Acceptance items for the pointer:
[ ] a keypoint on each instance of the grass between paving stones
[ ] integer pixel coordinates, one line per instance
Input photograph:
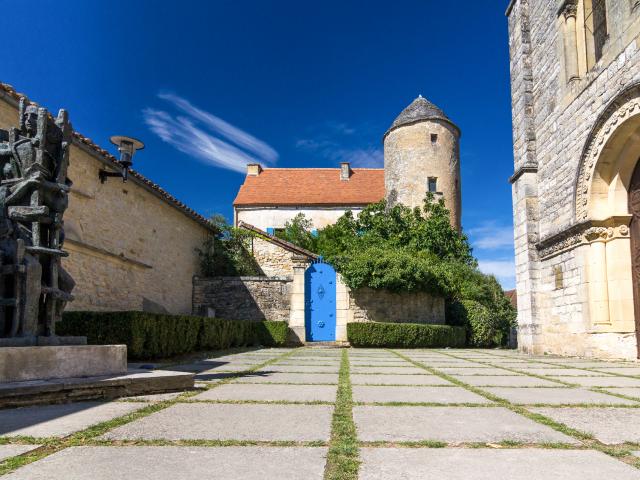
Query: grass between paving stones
(88, 435)
(620, 452)
(343, 458)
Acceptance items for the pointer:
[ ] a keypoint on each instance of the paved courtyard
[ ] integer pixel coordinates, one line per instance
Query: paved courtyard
(313, 413)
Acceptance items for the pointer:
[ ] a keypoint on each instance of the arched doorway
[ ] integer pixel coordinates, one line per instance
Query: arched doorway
(634, 228)
(605, 192)
(320, 302)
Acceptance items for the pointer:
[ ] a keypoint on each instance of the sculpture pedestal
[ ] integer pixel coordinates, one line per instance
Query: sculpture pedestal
(20, 364)
(40, 375)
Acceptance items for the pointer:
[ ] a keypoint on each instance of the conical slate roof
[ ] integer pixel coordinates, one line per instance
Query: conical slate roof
(418, 110)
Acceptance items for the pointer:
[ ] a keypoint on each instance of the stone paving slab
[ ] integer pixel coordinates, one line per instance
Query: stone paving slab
(609, 425)
(602, 381)
(633, 371)
(218, 421)
(556, 396)
(364, 379)
(490, 464)
(368, 394)
(183, 463)
(563, 372)
(629, 392)
(505, 381)
(285, 377)
(476, 371)
(8, 451)
(271, 393)
(408, 370)
(301, 368)
(450, 424)
(201, 368)
(156, 397)
(61, 420)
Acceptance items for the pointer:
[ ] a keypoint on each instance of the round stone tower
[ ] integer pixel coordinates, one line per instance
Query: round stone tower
(422, 154)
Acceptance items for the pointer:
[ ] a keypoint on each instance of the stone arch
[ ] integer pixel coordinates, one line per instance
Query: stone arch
(608, 162)
(606, 165)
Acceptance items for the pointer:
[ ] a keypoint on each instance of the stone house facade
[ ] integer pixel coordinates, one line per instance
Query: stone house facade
(132, 245)
(421, 154)
(575, 81)
(287, 289)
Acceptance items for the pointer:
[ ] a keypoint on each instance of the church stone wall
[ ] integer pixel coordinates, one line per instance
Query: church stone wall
(129, 248)
(552, 120)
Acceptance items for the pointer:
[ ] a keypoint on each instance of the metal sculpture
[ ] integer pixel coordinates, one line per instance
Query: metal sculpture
(34, 187)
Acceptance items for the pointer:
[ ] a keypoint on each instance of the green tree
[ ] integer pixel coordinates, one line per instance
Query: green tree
(299, 232)
(227, 252)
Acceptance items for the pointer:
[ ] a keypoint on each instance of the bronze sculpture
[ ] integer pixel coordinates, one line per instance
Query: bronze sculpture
(34, 187)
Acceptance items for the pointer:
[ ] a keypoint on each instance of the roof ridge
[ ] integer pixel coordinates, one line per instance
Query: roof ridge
(94, 147)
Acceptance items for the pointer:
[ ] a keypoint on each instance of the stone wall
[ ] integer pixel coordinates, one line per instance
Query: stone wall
(130, 248)
(367, 305)
(243, 298)
(273, 260)
(554, 118)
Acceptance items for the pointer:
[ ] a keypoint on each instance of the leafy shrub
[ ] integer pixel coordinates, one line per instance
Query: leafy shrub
(227, 253)
(404, 335)
(149, 335)
(485, 328)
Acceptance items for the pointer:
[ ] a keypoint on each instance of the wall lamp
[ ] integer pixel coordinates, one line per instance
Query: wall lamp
(127, 147)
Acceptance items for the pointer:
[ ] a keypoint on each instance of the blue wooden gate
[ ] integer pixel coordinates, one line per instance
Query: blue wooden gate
(320, 302)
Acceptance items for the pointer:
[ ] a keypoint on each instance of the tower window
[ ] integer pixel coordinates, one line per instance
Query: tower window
(432, 185)
(595, 26)
(434, 138)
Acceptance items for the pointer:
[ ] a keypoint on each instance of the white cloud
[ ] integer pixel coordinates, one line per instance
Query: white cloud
(207, 137)
(503, 269)
(491, 236)
(330, 147)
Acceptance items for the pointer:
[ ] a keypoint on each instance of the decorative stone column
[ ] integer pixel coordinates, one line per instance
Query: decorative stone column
(297, 315)
(569, 11)
(597, 276)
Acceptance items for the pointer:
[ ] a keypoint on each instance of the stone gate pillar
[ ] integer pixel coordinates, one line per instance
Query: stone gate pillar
(297, 316)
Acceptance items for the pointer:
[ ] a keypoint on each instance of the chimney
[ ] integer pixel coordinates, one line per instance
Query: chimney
(345, 171)
(254, 169)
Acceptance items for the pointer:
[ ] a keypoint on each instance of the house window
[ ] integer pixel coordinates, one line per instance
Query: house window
(432, 185)
(595, 26)
(434, 138)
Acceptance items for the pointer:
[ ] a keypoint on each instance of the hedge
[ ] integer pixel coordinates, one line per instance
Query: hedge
(405, 335)
(149, 335)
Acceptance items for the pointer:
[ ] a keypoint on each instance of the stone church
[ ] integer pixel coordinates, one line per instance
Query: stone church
(575, 81)
(421, 154)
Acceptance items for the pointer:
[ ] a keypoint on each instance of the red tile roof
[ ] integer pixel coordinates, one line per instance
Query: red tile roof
(311, 186)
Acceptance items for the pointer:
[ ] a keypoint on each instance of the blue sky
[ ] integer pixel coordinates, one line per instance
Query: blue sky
(211, 84)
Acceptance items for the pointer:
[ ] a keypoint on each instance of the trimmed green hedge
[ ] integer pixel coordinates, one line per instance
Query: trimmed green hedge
(405, 335)
(150, 335)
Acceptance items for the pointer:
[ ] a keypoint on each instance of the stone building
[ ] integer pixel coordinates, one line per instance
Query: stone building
(298, 288)
(575, 80)
(132, 245)
(421, 154)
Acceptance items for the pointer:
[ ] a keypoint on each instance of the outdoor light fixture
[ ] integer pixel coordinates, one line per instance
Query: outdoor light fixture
(127, 146)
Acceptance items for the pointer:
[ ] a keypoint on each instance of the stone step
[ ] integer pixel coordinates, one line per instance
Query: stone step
(327, 344)
(134, 382)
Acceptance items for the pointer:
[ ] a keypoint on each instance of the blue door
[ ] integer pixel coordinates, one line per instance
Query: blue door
(320, 302)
